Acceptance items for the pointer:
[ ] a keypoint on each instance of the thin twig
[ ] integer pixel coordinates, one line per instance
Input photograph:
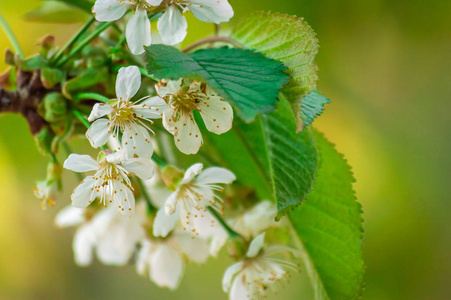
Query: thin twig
(212, 40)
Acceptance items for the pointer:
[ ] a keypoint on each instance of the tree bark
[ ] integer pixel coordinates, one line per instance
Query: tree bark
(25, 100)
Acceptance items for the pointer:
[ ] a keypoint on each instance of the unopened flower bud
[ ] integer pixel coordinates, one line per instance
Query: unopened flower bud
(53, 108)
(47, 45)
(44, 140)
(9, 57)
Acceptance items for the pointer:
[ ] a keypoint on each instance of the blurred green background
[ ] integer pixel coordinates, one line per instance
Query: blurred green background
(386, 66)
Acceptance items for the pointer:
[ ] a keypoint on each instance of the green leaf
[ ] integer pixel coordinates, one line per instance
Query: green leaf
(292, 158)
(329, 225)
(312, 106)
(288, 39)
(55, 12)
(85, 5)
(247, 79)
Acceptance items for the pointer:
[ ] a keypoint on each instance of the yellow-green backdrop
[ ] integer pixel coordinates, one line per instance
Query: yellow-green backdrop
(386, 66)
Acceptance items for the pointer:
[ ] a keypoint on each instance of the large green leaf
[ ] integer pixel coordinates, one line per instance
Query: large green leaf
(292, 158)
(249, 80)
(329, 225)
(288, 39)
(270, 155)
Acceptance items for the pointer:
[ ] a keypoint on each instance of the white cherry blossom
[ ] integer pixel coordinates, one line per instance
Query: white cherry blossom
(163, 259)
(249, 224)
(183, 98)
(190, 201)
(138, 32)
(252, 277)
(110, 183)
(112, 237)
(46, 191)
(172, 26)
(126, 117)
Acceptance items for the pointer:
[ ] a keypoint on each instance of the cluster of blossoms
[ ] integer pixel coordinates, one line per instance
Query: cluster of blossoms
(172, 25)
(153, 214)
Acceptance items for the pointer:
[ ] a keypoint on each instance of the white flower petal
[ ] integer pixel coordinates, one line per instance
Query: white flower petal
(171, 203)
(168, 87)
(128, 82)
(166, 267)
(153, 2)
(260, 217)
(188, 139)
(83, 194)
(99, 132)
(256, 245)
(142, 259)
(116, 245)
(172, 26)
(191, 172)
(99, 110)
(108, 10)
(164, 223)
(136, 141)
(229, 274)
(70, 216)
(141, 167)
(217, 114)
(216, 175)
(211, 11)
(196, 249)
(83, 245)
(239, 288)
(218, 241)
(138, 31)
(152, 108)
(124, 199)
(80, 163)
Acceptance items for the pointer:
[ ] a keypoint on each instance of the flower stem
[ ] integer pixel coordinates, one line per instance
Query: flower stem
(91, 96)
(150, 207)
(74, 39)
(212, 40)
(232, 233)
(84, 42)
(81, 118)
(10, 34)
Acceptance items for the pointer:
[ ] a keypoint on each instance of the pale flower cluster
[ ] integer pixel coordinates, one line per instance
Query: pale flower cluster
(179, 223)
(172, 25)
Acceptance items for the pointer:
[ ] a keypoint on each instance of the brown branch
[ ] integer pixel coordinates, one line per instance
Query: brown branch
(25, 100)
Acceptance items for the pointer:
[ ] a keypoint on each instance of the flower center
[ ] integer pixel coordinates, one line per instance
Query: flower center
(122, 113)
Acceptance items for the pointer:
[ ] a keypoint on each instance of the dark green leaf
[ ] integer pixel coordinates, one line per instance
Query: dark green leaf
(312, 106)
(292, 158)
(288, 39)
(329, 225)
(249, 80)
